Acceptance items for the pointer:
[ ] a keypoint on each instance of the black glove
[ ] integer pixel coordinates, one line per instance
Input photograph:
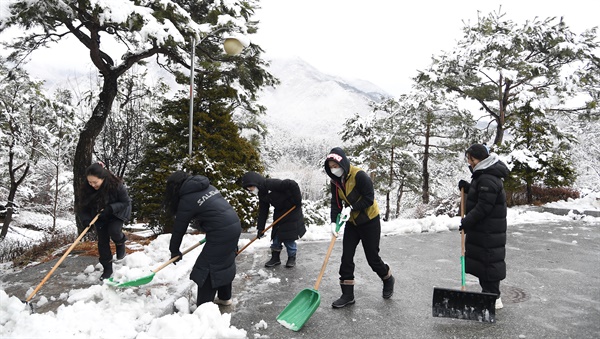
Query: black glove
(461, 227)
(176, 254)
(260, 234)
(463, 184)
(106, 212)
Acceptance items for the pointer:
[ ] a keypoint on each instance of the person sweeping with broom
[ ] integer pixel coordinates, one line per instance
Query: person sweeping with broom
(484, 223)
(352, 187)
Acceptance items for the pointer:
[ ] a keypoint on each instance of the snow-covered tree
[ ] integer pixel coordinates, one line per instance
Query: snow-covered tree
(54, 187)
(440, 130)
(119, 35)
(537, 153)
(379, 142)
(504, 66)
(23, 129)
(123, 140)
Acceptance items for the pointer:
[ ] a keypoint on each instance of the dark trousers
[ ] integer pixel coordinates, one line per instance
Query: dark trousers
(112, 229)
(490, 286)
(369, 234)
(206, 293)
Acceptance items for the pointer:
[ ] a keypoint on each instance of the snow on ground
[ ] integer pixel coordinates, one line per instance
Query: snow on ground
(101, 311)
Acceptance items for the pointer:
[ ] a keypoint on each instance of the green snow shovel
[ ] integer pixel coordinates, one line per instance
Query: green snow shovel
(302, 307)
(460, 304)
(148, 278)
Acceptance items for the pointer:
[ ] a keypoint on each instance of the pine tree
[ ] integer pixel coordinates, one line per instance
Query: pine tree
(538, 153)
(502, 66)
(218, 151)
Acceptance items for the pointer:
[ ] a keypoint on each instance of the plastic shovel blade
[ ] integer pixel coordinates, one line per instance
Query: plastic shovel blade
(449, 303)
(132, 283)
(300, 309)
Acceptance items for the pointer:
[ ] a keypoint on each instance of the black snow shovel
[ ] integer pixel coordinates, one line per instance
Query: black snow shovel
(461, 304)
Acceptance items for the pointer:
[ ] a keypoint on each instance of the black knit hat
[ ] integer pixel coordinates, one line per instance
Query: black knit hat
(477, 151)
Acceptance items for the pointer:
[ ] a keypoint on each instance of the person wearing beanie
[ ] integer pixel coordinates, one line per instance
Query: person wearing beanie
(484, 222)
(352, 187)
(282, 195)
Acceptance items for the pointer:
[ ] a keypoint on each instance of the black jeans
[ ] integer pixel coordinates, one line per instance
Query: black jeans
(111, 229)
(206, 293)
(369, 234)
(490, 286)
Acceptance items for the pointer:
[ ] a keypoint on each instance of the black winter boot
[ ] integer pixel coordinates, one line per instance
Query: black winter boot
(274, 261)
(121, 248)
(347, 297)
(388, 285)
(108, 271)
(291, 262)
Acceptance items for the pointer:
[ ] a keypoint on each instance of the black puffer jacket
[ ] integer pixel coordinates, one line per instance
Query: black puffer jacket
(203, 203)
(485, 221)
(282, 195)
(118, 200)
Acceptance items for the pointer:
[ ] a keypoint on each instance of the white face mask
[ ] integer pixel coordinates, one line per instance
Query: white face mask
(338, 171)
(254, 191)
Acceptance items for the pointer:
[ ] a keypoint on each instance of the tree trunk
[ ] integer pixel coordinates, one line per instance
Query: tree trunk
(9, 213)
(387, 206)
(529, 193)
(87, 139)
(425, 195)
(503, 102)
(14, 184)
(499, 132)
(399, 197)
(10, 203)
(390, 184)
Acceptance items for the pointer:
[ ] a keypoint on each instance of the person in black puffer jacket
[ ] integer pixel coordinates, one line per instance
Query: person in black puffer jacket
(484, 222)
(282, 195)
(106, 194)
(192, 198)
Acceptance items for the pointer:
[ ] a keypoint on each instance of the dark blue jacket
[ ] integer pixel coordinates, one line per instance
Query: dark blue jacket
(212, 214)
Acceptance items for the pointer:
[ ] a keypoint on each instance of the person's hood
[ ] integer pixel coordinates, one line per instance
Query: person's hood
(339, 156)
(194, 183)
(492, 165)
(253, 179)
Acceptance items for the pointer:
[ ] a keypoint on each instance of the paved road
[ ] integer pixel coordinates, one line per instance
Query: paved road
(552, 289)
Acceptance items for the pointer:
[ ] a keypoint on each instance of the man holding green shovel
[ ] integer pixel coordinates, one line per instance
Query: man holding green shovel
(352, 187)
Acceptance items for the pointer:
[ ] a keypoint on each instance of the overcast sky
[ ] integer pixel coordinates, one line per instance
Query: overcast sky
(387, 41)
(382, 41)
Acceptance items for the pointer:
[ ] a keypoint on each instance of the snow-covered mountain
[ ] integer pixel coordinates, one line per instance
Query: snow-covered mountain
(310, 103)
(305, 114)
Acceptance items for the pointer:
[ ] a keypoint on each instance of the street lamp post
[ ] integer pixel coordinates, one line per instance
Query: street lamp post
(232, 46)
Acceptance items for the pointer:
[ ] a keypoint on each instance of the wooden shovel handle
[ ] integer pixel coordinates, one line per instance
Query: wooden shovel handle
(62, 259)
(179, 256)
(266, 229)
(333, 238)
